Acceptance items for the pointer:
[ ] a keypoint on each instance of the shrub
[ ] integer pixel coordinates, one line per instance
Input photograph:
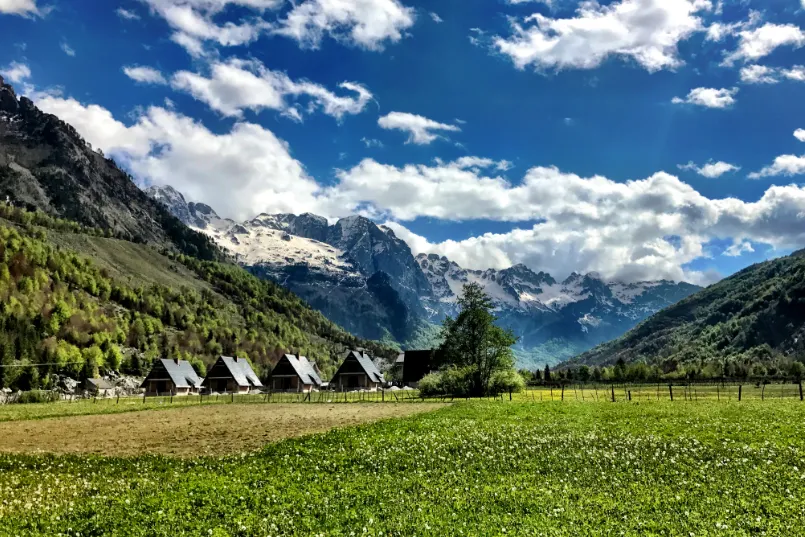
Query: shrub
(431, 385)
(37, 396)
(453, 381)
(458, 381)
(505, 381)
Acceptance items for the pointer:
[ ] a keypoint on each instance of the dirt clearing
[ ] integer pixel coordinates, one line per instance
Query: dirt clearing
(191, 431)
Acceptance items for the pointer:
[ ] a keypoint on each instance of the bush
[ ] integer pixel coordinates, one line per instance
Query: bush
(37, 396)
(506, 381)
(453, 381)
(457, 381)
(431, 385)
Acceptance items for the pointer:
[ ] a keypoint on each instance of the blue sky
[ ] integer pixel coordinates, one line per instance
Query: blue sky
(569, 136)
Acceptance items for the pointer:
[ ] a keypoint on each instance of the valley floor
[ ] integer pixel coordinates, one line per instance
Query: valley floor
(476, 468)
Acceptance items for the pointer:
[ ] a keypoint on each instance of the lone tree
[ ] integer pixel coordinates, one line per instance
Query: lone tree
(473, 342)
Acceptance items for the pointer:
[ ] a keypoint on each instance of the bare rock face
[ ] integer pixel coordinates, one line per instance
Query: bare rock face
(8, 99)
(46, 165)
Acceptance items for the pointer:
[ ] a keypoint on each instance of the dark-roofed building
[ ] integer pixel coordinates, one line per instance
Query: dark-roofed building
(171, 377)
(415, 365)
(357, 372)
(231, 375)
(98, 386)
(294, 374)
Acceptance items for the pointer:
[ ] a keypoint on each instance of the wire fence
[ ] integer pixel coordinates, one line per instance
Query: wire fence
(581, 392)
(648, 392)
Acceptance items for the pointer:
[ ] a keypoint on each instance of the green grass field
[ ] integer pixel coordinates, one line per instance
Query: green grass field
(478, 468)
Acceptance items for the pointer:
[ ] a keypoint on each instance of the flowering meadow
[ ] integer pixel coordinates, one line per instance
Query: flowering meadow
(478, 468)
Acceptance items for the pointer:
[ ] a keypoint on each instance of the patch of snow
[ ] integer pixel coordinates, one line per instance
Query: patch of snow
(627, 292)
(260, 245)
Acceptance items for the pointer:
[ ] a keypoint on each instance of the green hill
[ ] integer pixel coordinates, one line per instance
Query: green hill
(752, 323)
(77, 302)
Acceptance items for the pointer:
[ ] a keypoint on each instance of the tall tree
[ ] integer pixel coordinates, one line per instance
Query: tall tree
(473, 341)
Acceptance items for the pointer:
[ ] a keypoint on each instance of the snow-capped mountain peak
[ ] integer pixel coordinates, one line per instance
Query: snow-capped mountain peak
(365, 278)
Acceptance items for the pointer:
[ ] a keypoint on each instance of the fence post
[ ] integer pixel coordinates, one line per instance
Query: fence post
(551, 392)
(233, 397)
(800, 390)
(740, 389)
(143, 397)
(171, 397)
(671, 391)
(563, 392)
(612, 387)
(510, 395)
(629, 393)
(763, 391)
(718, 393)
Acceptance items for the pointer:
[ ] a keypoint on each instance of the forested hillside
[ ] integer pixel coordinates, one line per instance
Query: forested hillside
(752, 323)
(62, 314)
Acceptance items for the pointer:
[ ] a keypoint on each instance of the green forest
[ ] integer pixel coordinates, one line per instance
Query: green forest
(751, 324)
(62, 314)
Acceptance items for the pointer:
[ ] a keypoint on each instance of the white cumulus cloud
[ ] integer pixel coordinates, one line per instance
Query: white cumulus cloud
(784, 165)
(195, 22)
(642, 229)
(235, 85)
(758, 74)
(25, 8)
(645, 31)
(738, 248)
(16, 72)
(363, 23)
(711, 170)
(241, 173)
(421, 130)
(709, 97)
(757, 43)
(146, 75)
(761, 74)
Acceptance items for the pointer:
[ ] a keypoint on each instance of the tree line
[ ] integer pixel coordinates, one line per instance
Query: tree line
(783, 369)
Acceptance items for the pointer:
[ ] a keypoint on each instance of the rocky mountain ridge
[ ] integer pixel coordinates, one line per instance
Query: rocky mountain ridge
(47, 166)
(363, 277)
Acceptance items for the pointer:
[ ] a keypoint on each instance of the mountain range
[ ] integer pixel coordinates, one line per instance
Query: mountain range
(364, 278)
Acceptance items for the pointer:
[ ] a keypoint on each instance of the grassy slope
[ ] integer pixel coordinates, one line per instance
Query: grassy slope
(751, 316)
(472, 469)
(129, 263)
